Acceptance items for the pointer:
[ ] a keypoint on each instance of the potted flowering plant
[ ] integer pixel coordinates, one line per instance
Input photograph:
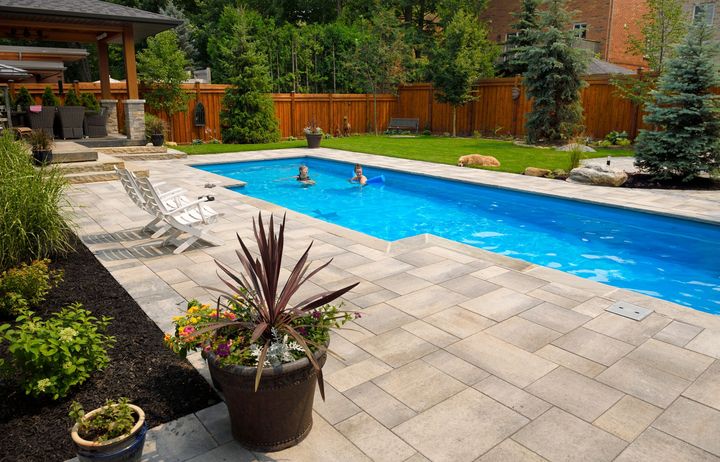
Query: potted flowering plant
(313, 135)
(264, 352)
(113, 432)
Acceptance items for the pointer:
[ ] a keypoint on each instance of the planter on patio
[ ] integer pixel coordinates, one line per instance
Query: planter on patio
(279, 414)
(70, 121)
(124, 448)
(42, 118)
(313, 140)
(265, 354)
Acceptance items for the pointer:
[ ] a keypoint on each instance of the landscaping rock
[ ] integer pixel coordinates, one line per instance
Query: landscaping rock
(525, 145)
(598, 175)
(534, 171)
(479, 160)
(573, 146)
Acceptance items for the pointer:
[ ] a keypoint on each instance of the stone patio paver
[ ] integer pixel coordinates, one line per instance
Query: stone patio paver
(643, 381)
(502, 359)
(513, 397)
(374, 439)
(523, 333)
(475, 394)
(628, 418)
(655, 446)
(706, 389)
(510, 451)
(419, 385)
(559, 436)
(575, 393)
(461, 428)
(692, 422)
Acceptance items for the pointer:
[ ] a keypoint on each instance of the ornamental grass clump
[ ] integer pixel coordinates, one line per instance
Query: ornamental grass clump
(33, 224)
(254, 322)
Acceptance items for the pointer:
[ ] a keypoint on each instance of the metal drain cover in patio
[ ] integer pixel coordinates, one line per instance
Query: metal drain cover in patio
(629, 310)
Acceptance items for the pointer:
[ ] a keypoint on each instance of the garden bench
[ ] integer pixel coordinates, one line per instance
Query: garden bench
(404, 124)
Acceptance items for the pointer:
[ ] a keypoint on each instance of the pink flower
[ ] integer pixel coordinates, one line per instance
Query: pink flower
(188, 330)
(316, 314)
(358, 315)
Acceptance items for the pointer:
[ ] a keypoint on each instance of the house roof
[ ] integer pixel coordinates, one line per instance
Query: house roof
(10, 72)
(92, 12)
(598, 66)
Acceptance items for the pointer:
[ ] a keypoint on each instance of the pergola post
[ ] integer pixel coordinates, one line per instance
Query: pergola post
(104, 65)
(134, 107)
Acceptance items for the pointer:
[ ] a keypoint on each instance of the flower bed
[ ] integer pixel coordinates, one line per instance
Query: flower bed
(141, 368)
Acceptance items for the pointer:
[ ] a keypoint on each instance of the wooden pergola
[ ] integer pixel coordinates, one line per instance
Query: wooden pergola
(85, 21)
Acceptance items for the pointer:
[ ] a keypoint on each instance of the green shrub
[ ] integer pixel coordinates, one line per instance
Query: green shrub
(24, 99)
(26, 286)
(615, 137)
(49, 98)
(50, 357)
(72, 98)
(32, 224)
(153, 125)
(90, 102)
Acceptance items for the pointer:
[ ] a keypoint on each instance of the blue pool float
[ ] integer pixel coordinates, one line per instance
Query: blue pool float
(376, 180)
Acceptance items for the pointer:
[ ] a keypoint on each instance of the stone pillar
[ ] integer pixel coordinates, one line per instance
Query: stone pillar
(135, 119)
(110, 106)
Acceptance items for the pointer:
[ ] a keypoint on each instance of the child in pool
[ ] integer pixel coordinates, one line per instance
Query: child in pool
(359, 177)
(303, 176)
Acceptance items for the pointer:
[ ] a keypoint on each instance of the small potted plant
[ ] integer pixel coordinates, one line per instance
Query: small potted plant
(41, 146)
(23, 101)
(113, 433)
(313, 135)
(264, 352)
(155, 129)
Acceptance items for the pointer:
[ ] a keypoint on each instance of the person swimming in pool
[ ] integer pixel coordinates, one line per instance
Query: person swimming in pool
(359, 177)
(304, 176)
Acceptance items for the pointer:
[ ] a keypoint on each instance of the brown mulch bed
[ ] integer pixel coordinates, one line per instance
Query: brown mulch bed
(141, 368)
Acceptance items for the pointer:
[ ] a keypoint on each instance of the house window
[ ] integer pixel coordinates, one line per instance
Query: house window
(704, 12)
(580, 29)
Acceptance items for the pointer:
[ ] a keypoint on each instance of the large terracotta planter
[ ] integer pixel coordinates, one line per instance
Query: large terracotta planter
(127, 448)
(313, 140)
(276, 416)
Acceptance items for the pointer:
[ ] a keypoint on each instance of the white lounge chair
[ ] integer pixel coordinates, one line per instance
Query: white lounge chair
(172, 199)
(188, 218)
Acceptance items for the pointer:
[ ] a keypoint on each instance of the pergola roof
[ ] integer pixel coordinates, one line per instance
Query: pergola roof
(93, 15)
(10, 72)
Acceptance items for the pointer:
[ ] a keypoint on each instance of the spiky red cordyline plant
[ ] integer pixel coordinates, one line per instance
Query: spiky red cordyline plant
(258, 287)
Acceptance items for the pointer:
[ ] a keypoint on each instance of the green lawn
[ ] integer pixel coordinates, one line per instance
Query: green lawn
(442, 150)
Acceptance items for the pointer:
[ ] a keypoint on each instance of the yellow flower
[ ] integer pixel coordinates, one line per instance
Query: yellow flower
(194, 320)
(177, 318)
(193, 309)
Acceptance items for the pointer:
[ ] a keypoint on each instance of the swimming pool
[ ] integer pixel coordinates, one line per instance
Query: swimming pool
(673, 259)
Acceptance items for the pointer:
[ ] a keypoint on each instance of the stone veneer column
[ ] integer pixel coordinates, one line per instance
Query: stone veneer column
(135, 119)
(112, 120)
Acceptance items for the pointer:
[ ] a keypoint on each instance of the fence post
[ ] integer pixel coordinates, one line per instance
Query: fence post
(430, 107)
(331, 128)
(367, 112)
(292, 113)
(516, 92)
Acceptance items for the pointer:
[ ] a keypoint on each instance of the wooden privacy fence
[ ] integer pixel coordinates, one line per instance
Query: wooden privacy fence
(495, 111)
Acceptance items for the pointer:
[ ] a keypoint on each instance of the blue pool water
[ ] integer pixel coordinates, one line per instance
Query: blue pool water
(673, 259)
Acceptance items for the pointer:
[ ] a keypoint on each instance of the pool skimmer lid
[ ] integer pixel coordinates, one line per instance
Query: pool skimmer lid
(629, 310)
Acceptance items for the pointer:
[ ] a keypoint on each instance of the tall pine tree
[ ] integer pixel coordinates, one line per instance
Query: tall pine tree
(248, 114)
(686, 112)
(553, 77)
(526, 25)
(185, 31)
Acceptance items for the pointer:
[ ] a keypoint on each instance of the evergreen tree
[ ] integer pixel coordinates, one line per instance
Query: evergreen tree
(553, 77)
(525, 27)
(72, 98)
(161, 66)
(49, 98)
(248, 114)
(185, 32)
(686, 112)
(463, 55)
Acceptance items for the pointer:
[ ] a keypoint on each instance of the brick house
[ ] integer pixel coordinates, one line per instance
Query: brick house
(601, 25)
(709, 10)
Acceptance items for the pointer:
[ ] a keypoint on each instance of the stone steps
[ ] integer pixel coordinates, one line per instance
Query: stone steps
(69, 151)
(144, 153)
(104, 163)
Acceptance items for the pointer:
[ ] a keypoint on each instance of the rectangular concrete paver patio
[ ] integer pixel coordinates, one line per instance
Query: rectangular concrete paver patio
(461, 354)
